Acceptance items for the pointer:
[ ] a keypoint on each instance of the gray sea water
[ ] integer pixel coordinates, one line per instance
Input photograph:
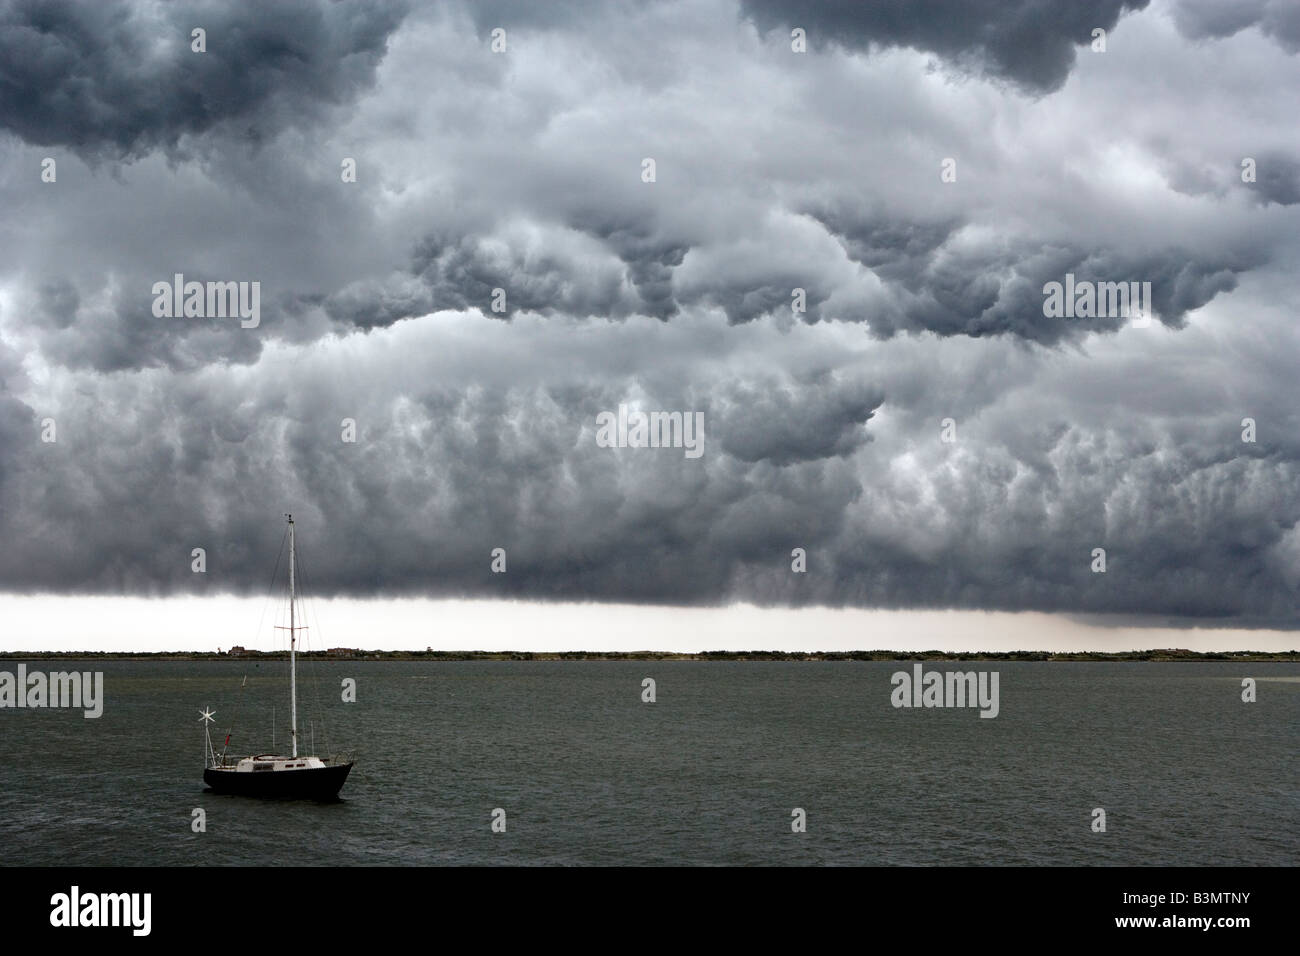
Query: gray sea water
(587, 773)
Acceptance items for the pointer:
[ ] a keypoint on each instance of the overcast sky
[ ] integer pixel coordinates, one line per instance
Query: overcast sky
(523, 170)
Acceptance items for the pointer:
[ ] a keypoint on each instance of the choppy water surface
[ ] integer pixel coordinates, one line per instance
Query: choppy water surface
(709, 774)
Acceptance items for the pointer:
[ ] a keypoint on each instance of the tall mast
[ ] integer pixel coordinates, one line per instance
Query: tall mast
(293, 658)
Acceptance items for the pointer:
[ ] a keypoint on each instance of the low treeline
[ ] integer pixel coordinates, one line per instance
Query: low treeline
(1169, 654)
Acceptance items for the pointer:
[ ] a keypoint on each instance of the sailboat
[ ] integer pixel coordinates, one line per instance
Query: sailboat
(272, 775)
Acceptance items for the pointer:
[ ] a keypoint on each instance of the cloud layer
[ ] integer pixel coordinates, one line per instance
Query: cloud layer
(911, 181)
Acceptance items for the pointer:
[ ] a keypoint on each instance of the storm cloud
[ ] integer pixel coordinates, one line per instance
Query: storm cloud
(840, 262)
(119, 79)
(1027, 41)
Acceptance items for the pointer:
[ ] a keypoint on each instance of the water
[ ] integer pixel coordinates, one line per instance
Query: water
(709, 774)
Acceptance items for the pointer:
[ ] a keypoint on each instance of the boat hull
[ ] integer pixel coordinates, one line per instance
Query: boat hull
(308, 783)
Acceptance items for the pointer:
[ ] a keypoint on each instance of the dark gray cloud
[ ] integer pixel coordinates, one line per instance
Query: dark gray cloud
(766, 421)
(933, 288)
(999, 289)
(634, 277)
(650, 262)
(119, 79)
(452, 462)
(1030, 42)
(521, 171)
(1277, 180)
(1217, 19)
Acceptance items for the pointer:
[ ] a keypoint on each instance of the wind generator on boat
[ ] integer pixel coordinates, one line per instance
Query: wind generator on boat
(271, 775)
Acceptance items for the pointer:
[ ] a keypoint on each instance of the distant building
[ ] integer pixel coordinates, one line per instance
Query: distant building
(342, 652)
(237, 651)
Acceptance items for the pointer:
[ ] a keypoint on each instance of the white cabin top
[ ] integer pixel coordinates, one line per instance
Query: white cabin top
(271, 762)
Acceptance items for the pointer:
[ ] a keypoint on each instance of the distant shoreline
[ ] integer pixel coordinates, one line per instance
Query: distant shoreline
(1168, 655)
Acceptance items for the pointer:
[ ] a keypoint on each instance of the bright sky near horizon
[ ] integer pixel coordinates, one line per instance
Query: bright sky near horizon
(59, 623)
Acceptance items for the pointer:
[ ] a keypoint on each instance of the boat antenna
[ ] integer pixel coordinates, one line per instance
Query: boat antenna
(208, 716)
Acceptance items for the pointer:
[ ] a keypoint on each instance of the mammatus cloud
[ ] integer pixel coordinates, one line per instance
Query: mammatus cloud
(866, 341)
(451, 462)
(950, 289)
(599, 253)
(929, 281)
